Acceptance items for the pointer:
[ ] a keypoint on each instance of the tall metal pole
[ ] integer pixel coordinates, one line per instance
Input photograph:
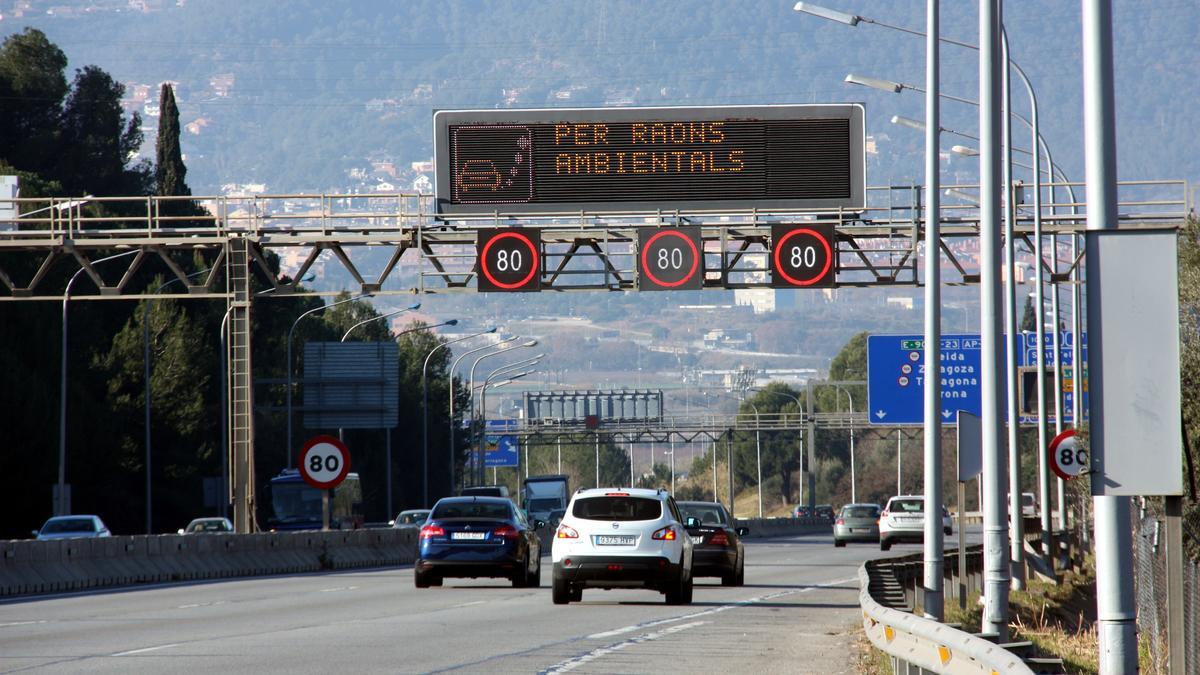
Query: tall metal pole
(597, 437)
(672, 465)
(61, 505)
(632, 483)
(425, 416)
(934, 561)
(1116, 611)
(899, 464)
(1016, 543)
(853, 478)
(994, 476)
(558, 441)
(454, 367)
(226, 497)
(288, 365)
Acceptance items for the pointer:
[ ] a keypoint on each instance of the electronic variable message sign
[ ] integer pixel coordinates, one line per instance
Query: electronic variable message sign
(508, 259)
(571, 159)
(670, 259)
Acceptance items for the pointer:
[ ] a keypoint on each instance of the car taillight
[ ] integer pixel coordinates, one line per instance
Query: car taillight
(505, 532)
(431, 531)
(840, 521)
(667, 534)
(565, 532)
(719, 539)
(884, 514)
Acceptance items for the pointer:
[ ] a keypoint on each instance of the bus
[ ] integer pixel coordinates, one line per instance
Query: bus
(296, 505)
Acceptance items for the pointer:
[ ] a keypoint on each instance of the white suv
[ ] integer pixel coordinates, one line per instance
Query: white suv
(903, 519)
(622, 538)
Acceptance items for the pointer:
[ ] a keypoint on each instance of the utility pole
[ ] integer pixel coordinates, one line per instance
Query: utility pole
(995, 468)
(1116, 611)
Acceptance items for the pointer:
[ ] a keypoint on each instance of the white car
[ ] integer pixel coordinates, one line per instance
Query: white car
(903, 519)
(622, 538)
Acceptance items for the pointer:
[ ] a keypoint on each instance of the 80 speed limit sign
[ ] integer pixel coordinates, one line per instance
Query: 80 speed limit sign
(324, 462)
(1068, 459)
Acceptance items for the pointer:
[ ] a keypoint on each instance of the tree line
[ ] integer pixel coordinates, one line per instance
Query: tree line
(74, 139)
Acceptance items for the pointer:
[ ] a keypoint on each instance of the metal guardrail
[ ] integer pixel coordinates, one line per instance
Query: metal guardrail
(917, 644)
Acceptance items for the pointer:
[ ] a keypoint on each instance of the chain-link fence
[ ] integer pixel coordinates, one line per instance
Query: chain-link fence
(1150, 553)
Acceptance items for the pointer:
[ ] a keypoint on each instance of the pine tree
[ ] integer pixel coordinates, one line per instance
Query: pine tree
(169, 169)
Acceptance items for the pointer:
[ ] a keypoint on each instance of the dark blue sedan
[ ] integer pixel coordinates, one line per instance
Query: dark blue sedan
(478, 537)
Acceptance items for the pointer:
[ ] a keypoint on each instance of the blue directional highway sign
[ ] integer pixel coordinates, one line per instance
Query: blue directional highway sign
(500, 448)
(1027, 357)
(896, 378)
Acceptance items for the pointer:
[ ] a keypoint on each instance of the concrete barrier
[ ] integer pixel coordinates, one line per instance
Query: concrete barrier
(33, 567)
(779, 527)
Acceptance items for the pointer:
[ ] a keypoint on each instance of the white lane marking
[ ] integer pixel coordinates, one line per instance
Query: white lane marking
(571, 664)
(714, 610)
(201, 604)
(20, 623)
(147, 649)
(468, 604)
(340, 588)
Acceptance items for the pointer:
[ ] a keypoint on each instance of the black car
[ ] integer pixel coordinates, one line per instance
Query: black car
(478, 537)
(825, 512)
(717, 549)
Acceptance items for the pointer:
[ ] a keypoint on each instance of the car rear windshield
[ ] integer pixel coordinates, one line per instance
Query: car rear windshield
(860, 512)
(472, 510)
(908, 506)
(68, 525)
(617, 508)
(707, 515)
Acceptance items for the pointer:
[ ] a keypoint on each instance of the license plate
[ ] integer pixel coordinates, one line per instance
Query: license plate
(698, 539)
(615, 540)
(470, 536)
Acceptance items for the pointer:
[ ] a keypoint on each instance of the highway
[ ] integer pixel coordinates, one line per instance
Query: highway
(796, 613)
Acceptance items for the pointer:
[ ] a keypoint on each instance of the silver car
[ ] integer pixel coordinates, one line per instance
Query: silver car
(71, 527)
(856, 522)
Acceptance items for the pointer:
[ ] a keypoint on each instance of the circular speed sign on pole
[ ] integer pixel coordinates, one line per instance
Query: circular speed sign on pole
(324, 462)
(508, 259)
(803, 256)
(1067, 458)
(670, 259)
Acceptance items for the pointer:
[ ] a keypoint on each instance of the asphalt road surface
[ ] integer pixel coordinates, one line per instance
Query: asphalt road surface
(796, 614)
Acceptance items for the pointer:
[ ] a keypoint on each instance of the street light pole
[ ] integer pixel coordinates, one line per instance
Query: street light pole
(453, 368)
(471, 390)
(288, 364)
(60, 505)
(425, 415)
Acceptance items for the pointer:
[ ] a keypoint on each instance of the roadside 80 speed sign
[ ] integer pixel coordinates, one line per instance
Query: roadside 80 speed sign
(324, 462)
(1068, 458)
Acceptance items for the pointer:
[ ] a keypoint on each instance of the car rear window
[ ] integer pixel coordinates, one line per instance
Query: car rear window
(708, 515)
(69, 525)
(472, 510)
(860, 512)
(907, 506)
(617, 508)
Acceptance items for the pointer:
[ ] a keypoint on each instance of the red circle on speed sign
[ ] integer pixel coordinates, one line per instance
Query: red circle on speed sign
(324, 462)
(1067, 459)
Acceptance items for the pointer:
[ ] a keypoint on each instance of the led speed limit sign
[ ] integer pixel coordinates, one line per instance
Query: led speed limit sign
(508, 259)
(324, 462)
(1068, 459)
(803, 256)
(670, 259)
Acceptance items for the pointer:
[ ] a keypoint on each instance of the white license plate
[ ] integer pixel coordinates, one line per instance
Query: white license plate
(469, 536)
(615, 540)
(698, 539)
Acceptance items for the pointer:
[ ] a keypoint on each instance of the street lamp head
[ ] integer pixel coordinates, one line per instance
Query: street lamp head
(531, 343)
(451, 322)
(491, 330)
(908, 122)
(964, 150)
(415, 305)
(875, 83)
(831, 14)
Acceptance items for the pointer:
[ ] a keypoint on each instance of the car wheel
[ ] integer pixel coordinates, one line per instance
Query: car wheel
(948, 531)
(520, 578)
(560, 590)
(680, 592)
(740, 579)
(884, 545)
(839, 543)
(577, 594)
(729, 578)
(536, 580)
(434, 579)
(420, 579)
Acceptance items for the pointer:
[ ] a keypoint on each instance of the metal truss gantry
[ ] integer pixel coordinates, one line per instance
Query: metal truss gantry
(396, 244)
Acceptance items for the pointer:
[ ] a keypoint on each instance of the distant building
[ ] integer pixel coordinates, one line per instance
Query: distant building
(423, 167)
(423, 184)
